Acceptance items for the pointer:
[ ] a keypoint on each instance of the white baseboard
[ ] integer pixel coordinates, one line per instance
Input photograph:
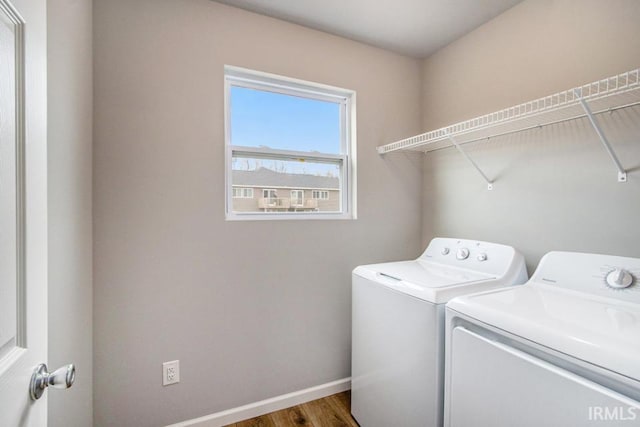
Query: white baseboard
(262, 407)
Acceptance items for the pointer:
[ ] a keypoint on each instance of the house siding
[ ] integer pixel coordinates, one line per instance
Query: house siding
(241, 204)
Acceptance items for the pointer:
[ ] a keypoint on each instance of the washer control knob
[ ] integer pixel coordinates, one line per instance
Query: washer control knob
(445, 251)
(482, 257)
(463, 253)
(619, 278)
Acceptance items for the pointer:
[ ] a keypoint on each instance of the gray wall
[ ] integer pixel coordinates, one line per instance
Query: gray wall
(69, 174)
(555, 188)
(235, 302)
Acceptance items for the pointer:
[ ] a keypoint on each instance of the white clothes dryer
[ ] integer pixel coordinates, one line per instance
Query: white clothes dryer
(398, 327)
(562, 350)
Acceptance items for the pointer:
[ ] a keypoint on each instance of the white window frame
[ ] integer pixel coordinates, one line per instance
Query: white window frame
(266, 193)
(300, 199)
(346, 160)
(245, 192)
(321, 193)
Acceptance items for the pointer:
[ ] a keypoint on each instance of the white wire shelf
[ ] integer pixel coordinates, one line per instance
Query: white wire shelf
(609, 94)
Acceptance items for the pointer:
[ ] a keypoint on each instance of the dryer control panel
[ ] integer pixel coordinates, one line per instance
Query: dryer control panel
(601, 275)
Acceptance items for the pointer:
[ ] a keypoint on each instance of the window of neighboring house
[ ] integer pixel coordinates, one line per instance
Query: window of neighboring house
(297, 197)
(269, 194)
(242, 193)
(320, 194)
(288, 136)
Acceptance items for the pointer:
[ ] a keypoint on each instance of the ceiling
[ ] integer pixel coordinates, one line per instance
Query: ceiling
(412, 27)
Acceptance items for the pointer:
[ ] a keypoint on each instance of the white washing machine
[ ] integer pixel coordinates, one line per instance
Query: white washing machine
(561, 351)
(398, 327)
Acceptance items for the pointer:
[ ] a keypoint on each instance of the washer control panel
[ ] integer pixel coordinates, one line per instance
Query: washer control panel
(602, 275)
(489, 258)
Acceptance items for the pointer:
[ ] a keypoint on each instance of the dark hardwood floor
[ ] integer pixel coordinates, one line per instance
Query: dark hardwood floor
(331, 411)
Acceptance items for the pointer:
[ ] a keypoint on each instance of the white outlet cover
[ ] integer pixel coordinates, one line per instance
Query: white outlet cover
(171, 372)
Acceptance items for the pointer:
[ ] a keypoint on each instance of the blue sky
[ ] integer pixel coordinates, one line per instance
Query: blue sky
(260, 118)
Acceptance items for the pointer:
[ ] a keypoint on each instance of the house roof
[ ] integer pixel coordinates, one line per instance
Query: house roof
(263, 177)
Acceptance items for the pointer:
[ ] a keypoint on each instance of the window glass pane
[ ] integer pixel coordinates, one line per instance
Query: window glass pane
(240, 192)
(274, 120)
(285, 186)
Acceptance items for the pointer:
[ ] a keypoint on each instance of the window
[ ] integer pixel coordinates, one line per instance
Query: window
(269, 194)
(288, 137)
(242, 193)
(320, 194)
(297, 198)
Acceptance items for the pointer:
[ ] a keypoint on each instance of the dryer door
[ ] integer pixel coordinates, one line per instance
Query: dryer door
(491, 384)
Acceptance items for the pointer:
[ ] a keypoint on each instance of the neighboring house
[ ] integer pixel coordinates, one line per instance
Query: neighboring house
(265, 190)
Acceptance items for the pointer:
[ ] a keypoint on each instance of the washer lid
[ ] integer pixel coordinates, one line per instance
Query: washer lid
(601, 331)
(425, 280)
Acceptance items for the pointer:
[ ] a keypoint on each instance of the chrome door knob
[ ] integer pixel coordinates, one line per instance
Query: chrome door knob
(41, 379)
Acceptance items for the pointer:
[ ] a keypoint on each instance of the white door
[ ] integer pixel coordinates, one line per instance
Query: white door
(23, 209)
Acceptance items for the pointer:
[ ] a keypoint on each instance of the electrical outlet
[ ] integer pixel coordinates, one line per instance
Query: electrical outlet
(171, 372)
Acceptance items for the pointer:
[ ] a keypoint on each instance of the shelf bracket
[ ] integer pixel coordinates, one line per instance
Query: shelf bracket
(475, 165)
(622, 174)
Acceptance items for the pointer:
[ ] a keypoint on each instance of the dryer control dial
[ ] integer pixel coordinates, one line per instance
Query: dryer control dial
(619, 278)
(482, 257)
(445, 251)
(463, 253)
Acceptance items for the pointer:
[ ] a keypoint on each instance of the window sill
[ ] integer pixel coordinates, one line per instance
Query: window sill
(269, 216)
